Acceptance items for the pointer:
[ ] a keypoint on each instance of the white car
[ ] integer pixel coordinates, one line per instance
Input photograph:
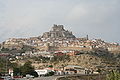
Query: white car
(29, 76)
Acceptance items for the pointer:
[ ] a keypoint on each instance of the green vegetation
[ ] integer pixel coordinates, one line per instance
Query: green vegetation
(50, 66)
(113, 75)
(4, 65)
(25, 69)
(53, 59)
(5, 49)
(41, 59)
(50, 73)
(60, 58)
(26, 48)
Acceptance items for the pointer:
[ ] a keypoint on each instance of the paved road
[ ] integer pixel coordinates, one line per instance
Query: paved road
(41, 78)
(55, 77)
(46, 78)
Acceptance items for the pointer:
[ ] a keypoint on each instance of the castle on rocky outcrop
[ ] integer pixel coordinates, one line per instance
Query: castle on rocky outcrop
(58, 31)
(59, 39)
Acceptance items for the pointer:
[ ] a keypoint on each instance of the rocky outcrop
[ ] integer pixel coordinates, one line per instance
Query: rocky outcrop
(58, 31)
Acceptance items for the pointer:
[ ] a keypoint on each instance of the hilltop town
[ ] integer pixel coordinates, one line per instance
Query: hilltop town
(61, 49)
(59, 39)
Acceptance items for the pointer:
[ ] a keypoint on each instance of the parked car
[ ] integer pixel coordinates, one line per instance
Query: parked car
(29, 76)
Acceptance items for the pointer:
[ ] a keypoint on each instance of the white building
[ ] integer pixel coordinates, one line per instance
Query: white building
(43, 72)
(72, 69)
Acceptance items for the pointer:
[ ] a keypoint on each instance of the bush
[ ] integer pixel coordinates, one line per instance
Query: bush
(113, 75)
(50, 73)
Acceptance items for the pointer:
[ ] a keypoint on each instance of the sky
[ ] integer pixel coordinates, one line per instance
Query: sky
(100, 19)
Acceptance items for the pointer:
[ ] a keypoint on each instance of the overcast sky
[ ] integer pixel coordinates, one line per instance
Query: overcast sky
(27, 18)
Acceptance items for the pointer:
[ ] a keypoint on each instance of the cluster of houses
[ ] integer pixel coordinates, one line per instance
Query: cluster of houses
(59, 39)
(67, 70)
(57, 42)
(48, 44)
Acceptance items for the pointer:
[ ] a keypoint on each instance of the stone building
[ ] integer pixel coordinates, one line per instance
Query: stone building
(58, 31)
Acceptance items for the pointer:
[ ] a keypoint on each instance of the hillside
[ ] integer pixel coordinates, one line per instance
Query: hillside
(91, 61)
(88, 53)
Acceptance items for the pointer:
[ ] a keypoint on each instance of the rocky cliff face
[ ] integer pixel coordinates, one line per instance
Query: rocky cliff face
(58, 31)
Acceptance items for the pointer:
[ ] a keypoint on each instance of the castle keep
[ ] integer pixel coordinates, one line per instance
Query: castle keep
(58, 31)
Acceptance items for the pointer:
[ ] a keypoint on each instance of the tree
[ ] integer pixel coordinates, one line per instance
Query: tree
(50, 73)
(17, 72)
(3, 65)
(27, 68)
(50, 66)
